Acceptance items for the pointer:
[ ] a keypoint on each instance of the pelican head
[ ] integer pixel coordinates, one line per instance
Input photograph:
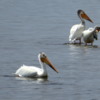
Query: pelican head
(44, 59)
(97, 29)
(83, 15)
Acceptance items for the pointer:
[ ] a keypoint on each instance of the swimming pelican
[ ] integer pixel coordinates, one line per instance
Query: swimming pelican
(32, 71)
(76, 30)
(90, 34)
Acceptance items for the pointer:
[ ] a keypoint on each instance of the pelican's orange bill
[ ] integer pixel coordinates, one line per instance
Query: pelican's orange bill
(85, 16)
(46, 60)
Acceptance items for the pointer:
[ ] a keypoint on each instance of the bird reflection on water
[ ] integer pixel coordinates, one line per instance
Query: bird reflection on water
(36, 80)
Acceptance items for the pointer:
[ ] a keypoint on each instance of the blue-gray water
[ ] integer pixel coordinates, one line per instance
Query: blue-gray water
(28, 27)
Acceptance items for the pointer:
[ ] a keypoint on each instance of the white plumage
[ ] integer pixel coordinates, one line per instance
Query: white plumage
(76, 30)
(28, 71)
(33, 71)
(90, 34)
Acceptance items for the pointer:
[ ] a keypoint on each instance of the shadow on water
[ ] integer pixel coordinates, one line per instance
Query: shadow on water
(38, 80)
(82, 45)
(75, 44)
(7, 76)
(43, 81)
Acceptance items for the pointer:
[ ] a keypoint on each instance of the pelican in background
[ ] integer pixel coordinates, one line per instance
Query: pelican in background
(35, 72)
(90, 34)
(76, 30)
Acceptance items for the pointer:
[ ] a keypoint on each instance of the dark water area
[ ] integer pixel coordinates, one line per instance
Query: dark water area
(28, 27)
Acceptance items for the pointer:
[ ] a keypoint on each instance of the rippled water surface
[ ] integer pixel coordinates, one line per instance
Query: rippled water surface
(28, 27)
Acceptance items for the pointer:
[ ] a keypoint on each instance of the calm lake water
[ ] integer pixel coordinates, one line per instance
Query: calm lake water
(28, 27)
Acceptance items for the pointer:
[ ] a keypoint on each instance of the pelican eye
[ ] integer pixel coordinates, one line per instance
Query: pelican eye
(44, 56)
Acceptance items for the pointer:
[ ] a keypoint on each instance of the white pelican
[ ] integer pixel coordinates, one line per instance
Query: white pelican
(90, 34)
(32, 71)
(76, 30)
